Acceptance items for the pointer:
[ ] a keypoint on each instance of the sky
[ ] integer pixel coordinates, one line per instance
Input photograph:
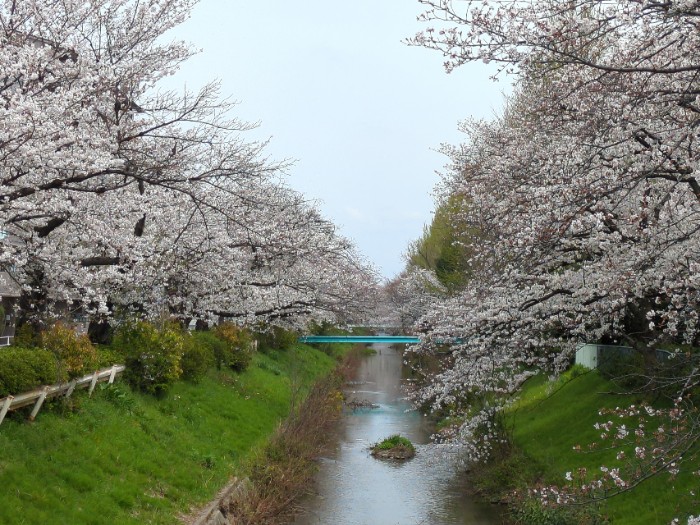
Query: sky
(336, 90)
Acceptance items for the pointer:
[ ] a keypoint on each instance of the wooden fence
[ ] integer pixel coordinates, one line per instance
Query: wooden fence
(38, 396)
(6, 340)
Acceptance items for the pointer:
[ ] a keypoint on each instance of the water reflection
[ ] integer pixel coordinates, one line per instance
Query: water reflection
(356, 489)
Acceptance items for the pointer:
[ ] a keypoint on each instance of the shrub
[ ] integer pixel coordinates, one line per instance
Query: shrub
(277, 338)
(214, 346)
(75, 353)
(577, 371)
(239, 346)
(23, 369)
(262, 365)
(196, 359)
(107, 356)
(26, 336)
(323, 328)
(152, 356)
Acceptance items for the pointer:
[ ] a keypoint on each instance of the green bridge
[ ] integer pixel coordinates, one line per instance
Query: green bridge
(368, 339)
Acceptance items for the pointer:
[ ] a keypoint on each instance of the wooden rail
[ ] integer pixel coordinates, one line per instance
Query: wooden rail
(38, 396)
(6, 340)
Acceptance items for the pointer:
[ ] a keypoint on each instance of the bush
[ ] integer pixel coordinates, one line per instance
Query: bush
(238, 352)
(577, 371)
(276, 338)
(75, 353)
(323, 328)
(216, 347)
(152, 356)
(26, 336)
(196, 359)
(23, 369)
(107, 356)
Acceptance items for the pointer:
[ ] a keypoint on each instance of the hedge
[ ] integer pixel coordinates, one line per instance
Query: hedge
(23, 369)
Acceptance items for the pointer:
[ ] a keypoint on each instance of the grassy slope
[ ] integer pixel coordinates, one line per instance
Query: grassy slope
(128, 458)
(548, 427)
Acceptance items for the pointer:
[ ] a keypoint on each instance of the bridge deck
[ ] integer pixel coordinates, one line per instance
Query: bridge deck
(368, 339)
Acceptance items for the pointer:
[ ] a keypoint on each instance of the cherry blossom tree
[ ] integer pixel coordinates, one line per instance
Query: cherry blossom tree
(117, 192)
(585, 191)
(412, 294)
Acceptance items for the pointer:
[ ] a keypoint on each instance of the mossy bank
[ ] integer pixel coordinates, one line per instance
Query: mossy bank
(130, 458)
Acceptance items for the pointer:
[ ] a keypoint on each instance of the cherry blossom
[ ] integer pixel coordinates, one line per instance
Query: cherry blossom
(583, 193)
(117, 193)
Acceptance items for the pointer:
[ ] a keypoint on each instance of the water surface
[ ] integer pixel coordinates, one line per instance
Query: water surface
(356, 489)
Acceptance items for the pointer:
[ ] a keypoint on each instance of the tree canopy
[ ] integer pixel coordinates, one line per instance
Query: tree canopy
(115, 191)
(586, 198)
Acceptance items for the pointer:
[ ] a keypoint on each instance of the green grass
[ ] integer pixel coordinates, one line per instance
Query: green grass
(552, 418)
(392, 442)
(129, 458)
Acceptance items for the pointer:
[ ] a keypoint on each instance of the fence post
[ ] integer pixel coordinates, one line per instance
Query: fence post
(71, 387)
(93, 383)
(5, 407)
(38, 404)
(113, 374)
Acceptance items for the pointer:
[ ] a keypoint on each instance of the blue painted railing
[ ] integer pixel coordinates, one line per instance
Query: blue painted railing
(367, 339)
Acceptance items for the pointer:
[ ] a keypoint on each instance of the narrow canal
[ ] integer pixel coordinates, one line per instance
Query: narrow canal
(356, 489)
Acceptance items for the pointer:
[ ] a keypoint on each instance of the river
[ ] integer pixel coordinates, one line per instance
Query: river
(353, 488)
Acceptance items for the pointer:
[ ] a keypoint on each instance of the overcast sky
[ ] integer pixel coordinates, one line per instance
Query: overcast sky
(334, 88)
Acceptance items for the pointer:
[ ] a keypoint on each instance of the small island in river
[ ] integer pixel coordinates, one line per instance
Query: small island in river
(393, 447)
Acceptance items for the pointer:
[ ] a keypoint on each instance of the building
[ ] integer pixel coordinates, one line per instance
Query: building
(592, 355)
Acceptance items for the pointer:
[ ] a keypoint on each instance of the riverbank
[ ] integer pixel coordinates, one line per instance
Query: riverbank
(129, 458)
(549, 429)
(282, 471)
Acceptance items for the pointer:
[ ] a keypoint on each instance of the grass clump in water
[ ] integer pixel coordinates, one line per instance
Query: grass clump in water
(394, 447)
(394, 441)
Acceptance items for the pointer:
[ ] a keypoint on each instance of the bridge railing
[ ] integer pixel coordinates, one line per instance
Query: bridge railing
(368, 339)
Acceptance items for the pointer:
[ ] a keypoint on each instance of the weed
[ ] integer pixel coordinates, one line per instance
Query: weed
(577, 371)
(392, 442)
(120, 396)
(282, 470)
(264, 365)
